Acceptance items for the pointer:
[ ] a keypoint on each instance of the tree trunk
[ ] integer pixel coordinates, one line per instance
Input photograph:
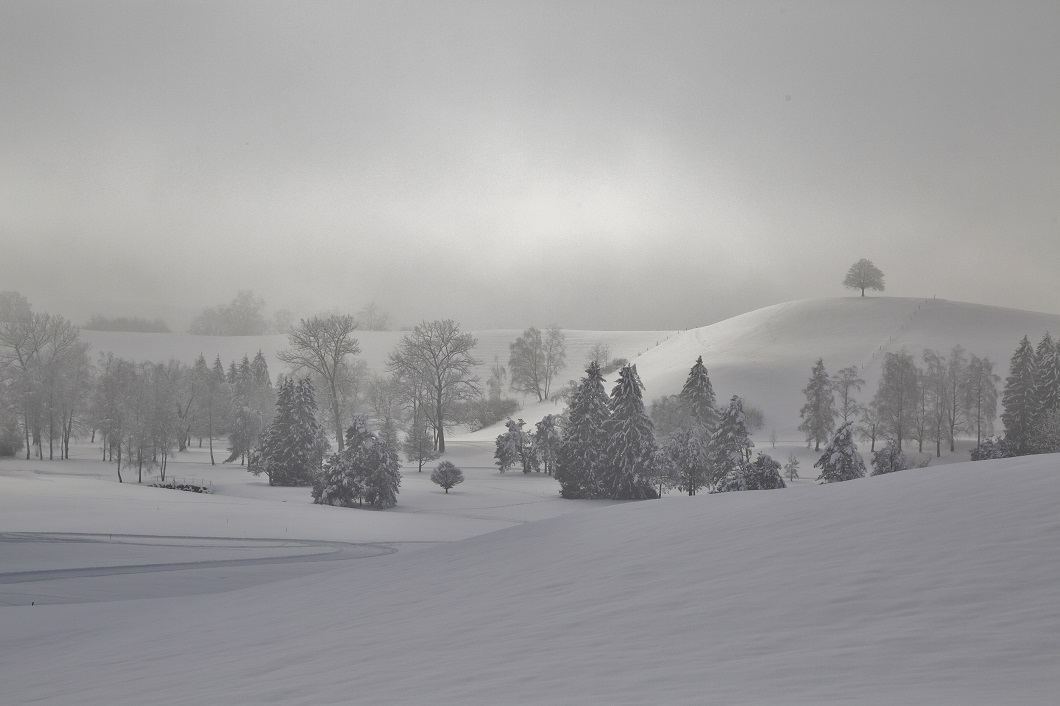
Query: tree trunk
(25, 423)
(336, 413)
(439, 422)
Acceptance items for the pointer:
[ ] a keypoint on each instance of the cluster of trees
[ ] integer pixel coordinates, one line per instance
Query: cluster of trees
(936, 401)
(45, 380)
(534, 450)
(245, 316)
(365, 471)
(610, 448)
(126, 323)
(51, 392)
(1031, 402)
(145, 411)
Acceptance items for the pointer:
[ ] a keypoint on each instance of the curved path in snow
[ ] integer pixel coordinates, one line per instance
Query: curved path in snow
(93, 556)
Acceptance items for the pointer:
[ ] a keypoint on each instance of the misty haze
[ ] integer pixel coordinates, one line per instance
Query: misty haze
(529, 352)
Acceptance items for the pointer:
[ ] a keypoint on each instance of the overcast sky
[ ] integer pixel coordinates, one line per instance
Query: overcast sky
(599, 165)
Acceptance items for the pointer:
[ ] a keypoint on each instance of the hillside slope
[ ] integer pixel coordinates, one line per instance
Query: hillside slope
(931, 586)
(765, 355)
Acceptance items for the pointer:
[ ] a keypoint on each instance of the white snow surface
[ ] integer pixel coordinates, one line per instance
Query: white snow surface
(932, 586)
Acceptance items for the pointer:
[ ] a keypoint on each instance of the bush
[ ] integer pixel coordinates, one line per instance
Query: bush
(487, 411)
(447, 475)
(993, 448)
(890, 459)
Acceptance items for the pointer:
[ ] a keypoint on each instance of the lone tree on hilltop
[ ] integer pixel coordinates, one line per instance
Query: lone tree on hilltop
(864, 275)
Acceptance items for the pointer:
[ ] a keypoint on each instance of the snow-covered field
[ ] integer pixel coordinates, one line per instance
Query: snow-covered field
(927, 586)
(930, 586)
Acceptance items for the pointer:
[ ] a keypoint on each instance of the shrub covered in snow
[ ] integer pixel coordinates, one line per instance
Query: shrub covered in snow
(447, 475)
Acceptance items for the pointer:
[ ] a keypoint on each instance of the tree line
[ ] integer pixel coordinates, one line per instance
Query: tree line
(932, 401)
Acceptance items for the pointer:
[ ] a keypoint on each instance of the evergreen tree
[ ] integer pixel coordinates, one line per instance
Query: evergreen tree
(764, 473)
(366, 471)
(447, 475)
(581, 455)
(698, 393)
(546, 442)
(819, 413)
(1047, 374)
(791, 468)
(628, 471)
(259, 370)
(1020, 398)
(729, 451)
(841, 460)
(515, 446)
(293, 446)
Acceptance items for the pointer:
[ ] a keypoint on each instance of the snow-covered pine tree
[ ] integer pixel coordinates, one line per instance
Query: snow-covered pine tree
(447, 475)
(267, 458)
(259, 370)
(764, 473)
(791, 468)
(1047, 374)
(1020, 398)
(546, 441)
(698, 393)
(515, 446)
(687, 456)
(819, 413)
(293, 446)
(628, 471)
(841, 460)
(729, 450)
(366, 471)
(585, 441)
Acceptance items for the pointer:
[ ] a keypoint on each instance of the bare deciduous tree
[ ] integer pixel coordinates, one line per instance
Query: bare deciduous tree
(437, 355)
(324, 345)
(535, 359)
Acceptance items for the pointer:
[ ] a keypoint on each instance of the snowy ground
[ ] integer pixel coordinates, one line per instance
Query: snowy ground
(932, 586)
(928, 586)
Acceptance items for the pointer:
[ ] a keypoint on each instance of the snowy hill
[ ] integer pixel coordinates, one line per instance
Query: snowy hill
(765, 355)
(934, 586)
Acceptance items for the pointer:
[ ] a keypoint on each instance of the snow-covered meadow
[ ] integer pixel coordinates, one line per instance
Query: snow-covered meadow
(935, 585)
